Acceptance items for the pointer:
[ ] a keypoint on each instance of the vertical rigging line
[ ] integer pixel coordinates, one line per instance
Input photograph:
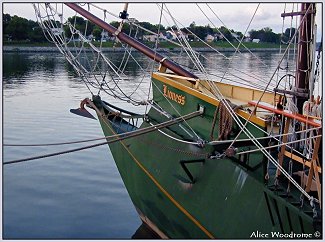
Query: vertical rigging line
(280, 61)
(187, 50)
(153, 61)
(240, 42)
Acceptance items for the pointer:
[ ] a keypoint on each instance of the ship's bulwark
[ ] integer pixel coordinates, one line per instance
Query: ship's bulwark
(227, 200)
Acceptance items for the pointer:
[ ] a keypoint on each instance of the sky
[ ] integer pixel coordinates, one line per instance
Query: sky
(235, 16)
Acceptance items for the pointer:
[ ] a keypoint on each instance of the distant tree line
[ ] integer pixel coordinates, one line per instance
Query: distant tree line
(17, 28)
(20, 29)
(265, 35)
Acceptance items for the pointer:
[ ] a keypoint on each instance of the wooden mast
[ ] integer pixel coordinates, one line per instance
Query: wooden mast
(132, 42)
(304, 55)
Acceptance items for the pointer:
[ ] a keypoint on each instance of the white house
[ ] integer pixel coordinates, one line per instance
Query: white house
(218, 36)
(150, 37)
(247, 39)
(256, 40)
(181, 33)
(162, 36)
(104, 35)
(57, 31)
(236, 36)
(91, 37)
(209, 38)
(171, 35)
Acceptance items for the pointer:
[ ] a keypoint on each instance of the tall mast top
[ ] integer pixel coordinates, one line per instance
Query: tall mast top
(304, 54)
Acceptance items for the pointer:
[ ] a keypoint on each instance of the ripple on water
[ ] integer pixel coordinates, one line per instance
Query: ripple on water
(77, 195)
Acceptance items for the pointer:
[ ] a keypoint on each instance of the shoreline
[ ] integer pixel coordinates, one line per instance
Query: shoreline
(120, 49)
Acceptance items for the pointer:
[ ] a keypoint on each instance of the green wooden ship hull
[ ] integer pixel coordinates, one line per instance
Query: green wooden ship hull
(227, 198)
(193, 167)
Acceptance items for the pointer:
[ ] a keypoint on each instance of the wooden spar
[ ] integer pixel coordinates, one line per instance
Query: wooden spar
(285, 113)
(132, 42)
(291, 14)
(304, 55)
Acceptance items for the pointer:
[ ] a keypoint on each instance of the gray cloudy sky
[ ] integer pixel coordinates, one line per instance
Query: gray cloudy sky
(235, 16)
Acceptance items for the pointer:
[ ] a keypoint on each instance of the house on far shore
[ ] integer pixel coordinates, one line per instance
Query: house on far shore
(105, 36)
(236, 36)
(256, 40)
(247, 39)
(91, 37)
(209, 38)
(153, 37)
(218, 36)
(173, 35)
(57, 31)
(150, 37)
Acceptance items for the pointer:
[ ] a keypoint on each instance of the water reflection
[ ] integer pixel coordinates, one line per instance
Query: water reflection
(19, 68)
(144, 232)
(14, 66)
(19, 65)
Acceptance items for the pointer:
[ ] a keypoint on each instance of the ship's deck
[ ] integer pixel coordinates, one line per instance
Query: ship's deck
(237, 95)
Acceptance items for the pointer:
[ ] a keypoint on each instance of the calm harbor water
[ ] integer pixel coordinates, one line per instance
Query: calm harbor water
(77, 195)
(73, 196)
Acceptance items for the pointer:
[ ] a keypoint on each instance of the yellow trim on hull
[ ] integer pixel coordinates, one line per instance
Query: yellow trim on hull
(259, 121)
(179, 206)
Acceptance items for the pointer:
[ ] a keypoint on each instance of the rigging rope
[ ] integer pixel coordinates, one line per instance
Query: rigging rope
(262, 149)
(109, 137)
(240, 41)
(60, 42)
(217, 93)
(154, 59)
(255, 107)
(247, 132)
(117, 137)
(278, 145)
(209, 60)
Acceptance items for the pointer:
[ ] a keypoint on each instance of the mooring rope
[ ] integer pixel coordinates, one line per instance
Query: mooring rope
(213, 142)
(57, 153)
(118, 137)
(61, 143)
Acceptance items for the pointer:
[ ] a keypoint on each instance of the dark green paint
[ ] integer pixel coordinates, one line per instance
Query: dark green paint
(227, 199)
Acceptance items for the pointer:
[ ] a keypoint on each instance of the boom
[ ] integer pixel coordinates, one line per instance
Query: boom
(132, 42)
